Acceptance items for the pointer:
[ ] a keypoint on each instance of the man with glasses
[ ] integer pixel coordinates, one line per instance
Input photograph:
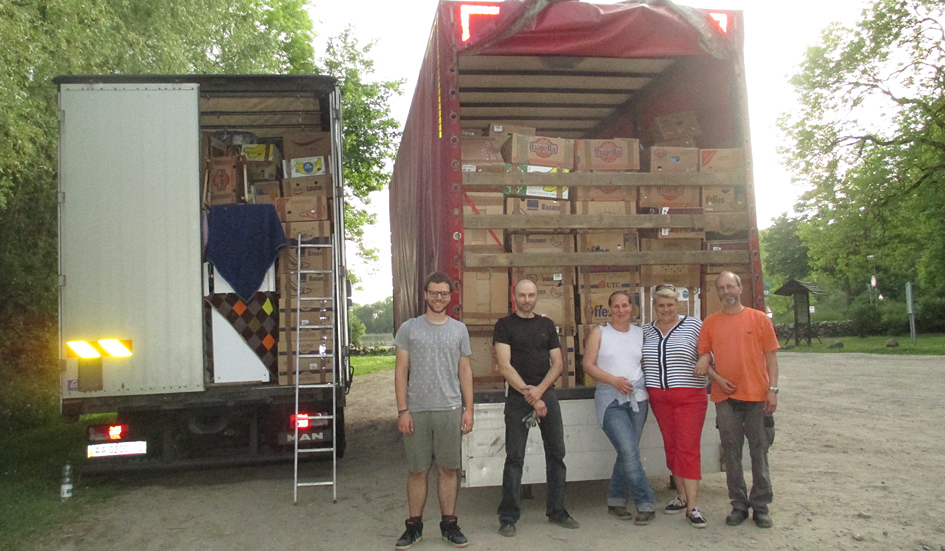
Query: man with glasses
(434, 388)
(528, 355)
(744, 347)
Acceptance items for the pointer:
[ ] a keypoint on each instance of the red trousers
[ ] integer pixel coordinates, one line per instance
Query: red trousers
(680, 413)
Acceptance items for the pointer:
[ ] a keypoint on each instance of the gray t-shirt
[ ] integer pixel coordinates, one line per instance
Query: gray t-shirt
(433, 383)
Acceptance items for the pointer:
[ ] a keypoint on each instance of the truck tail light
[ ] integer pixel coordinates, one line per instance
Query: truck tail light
(302, 420)
(107, 433)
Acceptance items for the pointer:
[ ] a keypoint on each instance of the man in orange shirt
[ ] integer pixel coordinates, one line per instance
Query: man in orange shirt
(744, 347)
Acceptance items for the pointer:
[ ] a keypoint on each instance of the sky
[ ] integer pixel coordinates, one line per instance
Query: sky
(777, 34)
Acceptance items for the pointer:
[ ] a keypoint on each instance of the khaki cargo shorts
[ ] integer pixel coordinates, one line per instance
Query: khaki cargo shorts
(437, 436)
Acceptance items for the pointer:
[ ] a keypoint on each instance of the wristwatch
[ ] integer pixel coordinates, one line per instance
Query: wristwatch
(774, 388)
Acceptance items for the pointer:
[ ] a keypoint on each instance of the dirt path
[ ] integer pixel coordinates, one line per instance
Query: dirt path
(859, 452)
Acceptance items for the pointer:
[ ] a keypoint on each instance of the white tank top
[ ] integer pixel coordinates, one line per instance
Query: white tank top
(621, 355)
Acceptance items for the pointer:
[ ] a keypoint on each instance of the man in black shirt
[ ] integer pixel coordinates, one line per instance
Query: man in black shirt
(529, 357)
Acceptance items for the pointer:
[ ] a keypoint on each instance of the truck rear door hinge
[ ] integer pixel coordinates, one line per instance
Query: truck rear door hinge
(61, 197)
(62, 280)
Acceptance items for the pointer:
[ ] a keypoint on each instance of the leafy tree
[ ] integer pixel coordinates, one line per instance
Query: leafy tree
(355, 329)
(868, 144)
(378, 318)
(783, 252)
(371, 133)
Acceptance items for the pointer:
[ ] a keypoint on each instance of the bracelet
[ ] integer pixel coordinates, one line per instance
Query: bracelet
(402, 411)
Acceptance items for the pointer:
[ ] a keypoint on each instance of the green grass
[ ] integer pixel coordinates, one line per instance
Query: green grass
(930, 344)
(30, 481)
(364, 365)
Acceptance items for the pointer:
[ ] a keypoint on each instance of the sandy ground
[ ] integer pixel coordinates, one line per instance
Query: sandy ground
(860, 449)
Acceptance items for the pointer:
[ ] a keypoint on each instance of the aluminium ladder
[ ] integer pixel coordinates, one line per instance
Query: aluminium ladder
(321, 355)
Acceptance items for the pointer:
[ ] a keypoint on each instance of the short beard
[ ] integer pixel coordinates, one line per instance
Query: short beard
(434, 310)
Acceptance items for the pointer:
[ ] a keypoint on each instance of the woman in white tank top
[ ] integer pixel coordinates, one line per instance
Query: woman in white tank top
(612, 356)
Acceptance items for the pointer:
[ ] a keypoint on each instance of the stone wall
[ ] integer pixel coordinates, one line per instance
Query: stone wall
(824, 329)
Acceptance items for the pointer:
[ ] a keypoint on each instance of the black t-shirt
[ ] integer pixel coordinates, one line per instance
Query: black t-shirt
(531, 339)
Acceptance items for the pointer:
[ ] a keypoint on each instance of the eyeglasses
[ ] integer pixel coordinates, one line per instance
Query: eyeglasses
(664, 286)
(441, 294)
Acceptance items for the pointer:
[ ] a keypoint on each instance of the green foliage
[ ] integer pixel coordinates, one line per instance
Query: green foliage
(866, 319)
(783, 252)
(371, 133)
(868, 144)
(930, 315)
(377, 317)
(894, 319)
(365, 365)
(355, 329)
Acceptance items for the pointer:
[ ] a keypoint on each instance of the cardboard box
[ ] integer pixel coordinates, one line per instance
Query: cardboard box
(306, 316)
(605, 208)
(310, 232)
(545, 276)
(313, 371)
(614, 155)
(306, 144)
(531, 205)
(547, 192)
(670, 159)
(605, 193)
(313, 285)
(261, 152)
(723, 198)
(569, 360)
(542, 243)
(614, 241)
(674, 126)
(266, 192)
(680, 233)
(607, 278)
(307, 339)
(502, 129)
(303, 167)
(556, 303)
(302, 208)
(539, 151)
(259, 171)
(223, 179)
(483, 202)
(481, 155)
(669, 196)
(684, 275)
(721, 160)
(312, 258)
(483, 352)
(312, 185)
(485, 296)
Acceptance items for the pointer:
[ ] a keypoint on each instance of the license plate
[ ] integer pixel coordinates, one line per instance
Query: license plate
(114, 449)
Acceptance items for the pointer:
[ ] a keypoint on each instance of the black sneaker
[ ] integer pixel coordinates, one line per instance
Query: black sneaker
(451, 532)
(736, 517)
(677, 505)
(762, 520)
(413, 534)
(507, 529)
(644, 518)
(620, 512)
(696, 520)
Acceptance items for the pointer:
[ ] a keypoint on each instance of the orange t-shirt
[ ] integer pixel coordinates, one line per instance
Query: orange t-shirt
(739, 343)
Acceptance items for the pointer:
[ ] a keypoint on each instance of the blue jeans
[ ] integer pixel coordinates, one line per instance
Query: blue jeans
(516, 435)
(624, 427)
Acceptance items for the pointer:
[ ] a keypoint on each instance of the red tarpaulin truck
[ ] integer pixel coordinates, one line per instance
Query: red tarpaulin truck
(587, 147)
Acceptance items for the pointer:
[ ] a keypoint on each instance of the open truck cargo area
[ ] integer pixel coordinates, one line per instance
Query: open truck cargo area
(182, 310)
(586, 147)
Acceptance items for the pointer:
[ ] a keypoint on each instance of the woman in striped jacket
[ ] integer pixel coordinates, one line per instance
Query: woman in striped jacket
(677, 397)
